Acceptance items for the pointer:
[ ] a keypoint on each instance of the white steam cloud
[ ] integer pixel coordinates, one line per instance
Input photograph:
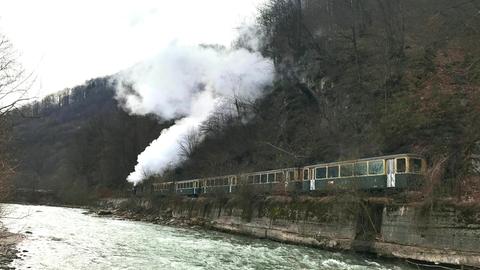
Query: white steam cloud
(187, 83)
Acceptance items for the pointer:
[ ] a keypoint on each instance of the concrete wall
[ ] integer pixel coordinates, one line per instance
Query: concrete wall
(440, 234)
(286, 222)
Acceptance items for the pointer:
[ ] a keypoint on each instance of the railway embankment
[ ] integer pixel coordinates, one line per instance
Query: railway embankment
(442, 232)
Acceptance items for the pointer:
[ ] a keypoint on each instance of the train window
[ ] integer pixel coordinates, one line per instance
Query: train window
(271, 177)
(320, 173)
(257, 179)
(291, 176)
(332, 171)
(346, 170)
(361, 168)
(279, 177)
(415, 165)
(264, 178)
(250, 179)
(375, 167)
(305, 174)
(225, 181)
(401, 165)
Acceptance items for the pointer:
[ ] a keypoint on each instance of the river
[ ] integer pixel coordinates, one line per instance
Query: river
(66, 238)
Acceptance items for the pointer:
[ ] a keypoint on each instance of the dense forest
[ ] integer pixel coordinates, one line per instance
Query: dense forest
(355, 78)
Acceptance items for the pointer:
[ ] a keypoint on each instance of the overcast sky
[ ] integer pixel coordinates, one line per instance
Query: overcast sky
(66, 43)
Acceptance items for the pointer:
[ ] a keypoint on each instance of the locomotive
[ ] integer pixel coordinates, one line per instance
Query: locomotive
(401, 171)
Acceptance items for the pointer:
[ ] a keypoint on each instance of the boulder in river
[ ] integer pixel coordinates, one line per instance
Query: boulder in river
(104, 213)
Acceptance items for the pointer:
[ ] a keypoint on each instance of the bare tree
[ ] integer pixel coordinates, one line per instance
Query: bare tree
(14, 83)
(189, 143)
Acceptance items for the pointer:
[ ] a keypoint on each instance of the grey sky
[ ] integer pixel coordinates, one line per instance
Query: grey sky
(67, 42)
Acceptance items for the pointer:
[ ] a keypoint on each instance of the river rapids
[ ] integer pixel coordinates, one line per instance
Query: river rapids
(66, 238)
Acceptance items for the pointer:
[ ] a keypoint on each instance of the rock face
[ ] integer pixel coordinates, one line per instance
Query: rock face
(440, 234)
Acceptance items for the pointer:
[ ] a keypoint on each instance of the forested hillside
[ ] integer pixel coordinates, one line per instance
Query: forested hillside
(355, 79)
(361, 78)
(78, 143)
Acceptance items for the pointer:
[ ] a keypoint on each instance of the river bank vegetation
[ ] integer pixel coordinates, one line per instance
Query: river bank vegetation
(354, 79)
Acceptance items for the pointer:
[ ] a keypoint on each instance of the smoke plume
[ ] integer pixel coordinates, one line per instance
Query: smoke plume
(187, 84)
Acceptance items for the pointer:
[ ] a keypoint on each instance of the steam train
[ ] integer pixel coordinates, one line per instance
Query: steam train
(403, 171)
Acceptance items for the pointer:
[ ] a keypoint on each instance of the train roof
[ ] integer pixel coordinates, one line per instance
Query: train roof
(365, 159)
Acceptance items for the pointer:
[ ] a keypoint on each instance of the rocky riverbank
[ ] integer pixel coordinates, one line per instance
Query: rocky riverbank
(8, 251)
(160, 217)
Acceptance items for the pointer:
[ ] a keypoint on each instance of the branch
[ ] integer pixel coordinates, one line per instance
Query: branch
(283, 150)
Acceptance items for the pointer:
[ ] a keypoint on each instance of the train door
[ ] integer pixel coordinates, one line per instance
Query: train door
(312, 179)
(231, 183)
(390, 173)
(289, 177)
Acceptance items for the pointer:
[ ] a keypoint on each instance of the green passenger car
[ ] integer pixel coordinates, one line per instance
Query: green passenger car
(404, 171)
